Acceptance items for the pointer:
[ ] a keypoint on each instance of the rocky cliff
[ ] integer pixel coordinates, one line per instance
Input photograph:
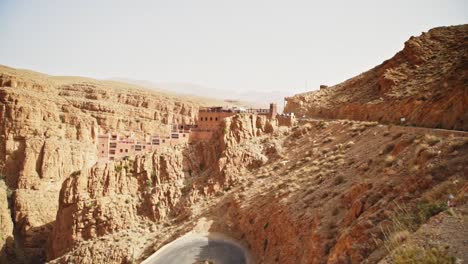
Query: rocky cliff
(6, 225)
(324, 192)
(321, 192)
(48, 129)
(143, 195)
(425, 83)
(338, 188)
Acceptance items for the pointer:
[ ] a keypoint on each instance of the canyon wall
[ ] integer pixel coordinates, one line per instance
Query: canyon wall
(425, 83)
(153, 189)
(48, 130)
(6, 225)
(337, 189)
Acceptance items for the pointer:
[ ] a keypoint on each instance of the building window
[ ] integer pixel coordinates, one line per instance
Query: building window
(216, 118)
(121, 150)
(206, 118)
(112, 151)
(126, 150)
(211, 119)
(102, 152)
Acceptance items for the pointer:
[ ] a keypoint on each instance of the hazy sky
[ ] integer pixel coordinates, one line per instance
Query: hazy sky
(237, 44)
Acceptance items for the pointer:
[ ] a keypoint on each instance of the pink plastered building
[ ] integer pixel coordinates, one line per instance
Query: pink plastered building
(114, 146)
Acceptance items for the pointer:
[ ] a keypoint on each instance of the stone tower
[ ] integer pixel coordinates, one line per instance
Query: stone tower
(273, 110)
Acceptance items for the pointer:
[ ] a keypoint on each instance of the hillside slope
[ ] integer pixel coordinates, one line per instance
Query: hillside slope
(323, 192)
(48, 130)
(426, 83)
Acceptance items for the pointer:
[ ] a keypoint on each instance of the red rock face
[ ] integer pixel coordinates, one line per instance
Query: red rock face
(425, 83)
(48, 131)
(156, 187)
(318, 193)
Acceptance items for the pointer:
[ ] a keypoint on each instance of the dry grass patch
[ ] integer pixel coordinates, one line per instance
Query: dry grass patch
(431, 139)
(411, 253)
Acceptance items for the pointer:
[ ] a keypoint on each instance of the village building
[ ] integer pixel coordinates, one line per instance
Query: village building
(114, 146)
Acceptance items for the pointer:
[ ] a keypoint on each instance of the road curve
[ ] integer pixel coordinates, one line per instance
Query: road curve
(194, 248)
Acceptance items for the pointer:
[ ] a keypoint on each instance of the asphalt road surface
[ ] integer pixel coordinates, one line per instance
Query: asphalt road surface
(194, 248)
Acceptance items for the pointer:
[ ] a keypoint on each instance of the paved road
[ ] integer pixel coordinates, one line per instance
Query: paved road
(194, 248)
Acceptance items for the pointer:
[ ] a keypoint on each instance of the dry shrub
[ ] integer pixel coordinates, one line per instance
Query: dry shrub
(444, 189)
(339, 180)
(388, 148)
(349, 144)
(398, 238)
(431, 139)
(411, 253)
(404, 221)
(397, 135)
(457, 143)
(314, 169)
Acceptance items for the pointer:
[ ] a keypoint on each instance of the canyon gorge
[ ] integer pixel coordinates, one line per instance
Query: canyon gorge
(363, 177)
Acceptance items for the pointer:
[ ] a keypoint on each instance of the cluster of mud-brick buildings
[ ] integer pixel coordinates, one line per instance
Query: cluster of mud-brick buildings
(113, 146)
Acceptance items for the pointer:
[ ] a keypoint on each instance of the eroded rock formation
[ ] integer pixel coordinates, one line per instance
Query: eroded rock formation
(321, 192)
(48, 131)
(156, 188)
(425, 83)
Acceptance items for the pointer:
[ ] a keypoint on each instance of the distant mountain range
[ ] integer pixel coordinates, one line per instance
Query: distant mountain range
(253, 98)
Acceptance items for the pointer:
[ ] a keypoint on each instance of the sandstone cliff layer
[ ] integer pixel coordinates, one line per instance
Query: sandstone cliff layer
(48, 130)
(426, 83)
(321, 193)
(139, 197)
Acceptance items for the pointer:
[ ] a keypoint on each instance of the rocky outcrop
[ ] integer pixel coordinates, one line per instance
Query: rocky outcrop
(155, 188)
(425, 84)
(48, 131)
(334, 192)
(6, 225)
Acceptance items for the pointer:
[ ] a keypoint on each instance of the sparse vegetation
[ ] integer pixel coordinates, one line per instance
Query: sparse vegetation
(339, 180)
(321, 124)
(335, 211)
(417, 254)
(118, 168)
(405, 221)
(431, 139)
(412, 219)
(148, 183)
(75, 173)
(9, 192)
(455, 144)
(388, 148)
